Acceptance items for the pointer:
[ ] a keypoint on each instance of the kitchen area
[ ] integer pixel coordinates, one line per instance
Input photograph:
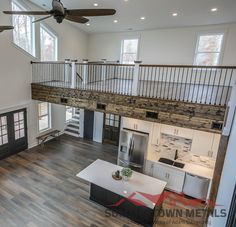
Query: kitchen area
(184, 158)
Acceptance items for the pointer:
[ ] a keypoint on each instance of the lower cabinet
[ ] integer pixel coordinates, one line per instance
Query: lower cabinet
(173, 177)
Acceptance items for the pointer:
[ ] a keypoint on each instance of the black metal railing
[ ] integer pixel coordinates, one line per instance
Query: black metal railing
(196, 84)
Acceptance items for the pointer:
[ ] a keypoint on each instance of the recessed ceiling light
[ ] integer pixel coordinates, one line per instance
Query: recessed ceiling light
(174, 14)
(125, 192)
(214, 9)
(126, 0)
(115, 21)
(88, 24)
(142, 18)
(95, 4)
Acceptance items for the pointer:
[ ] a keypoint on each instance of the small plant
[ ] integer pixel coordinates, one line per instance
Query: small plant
(127, 172)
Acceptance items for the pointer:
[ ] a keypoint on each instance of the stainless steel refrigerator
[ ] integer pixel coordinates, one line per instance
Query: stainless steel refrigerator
(132, 149)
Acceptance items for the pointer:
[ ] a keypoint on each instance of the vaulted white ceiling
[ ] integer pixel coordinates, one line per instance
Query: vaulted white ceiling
(157, 13)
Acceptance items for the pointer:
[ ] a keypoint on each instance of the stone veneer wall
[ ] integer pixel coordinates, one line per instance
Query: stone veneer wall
(182, 114)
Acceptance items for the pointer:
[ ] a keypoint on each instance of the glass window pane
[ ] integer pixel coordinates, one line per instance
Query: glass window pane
(21, 115)
(129, 58)
(0, 141)
(16, 117)
(5, 139)
(43, 123)
(22, 133)
(23, 29)
(210, 43)
(130, 46)
(17, 126)
(208, 59)
(17, 135)
(43, 108)
(48, 45)
(3, 121)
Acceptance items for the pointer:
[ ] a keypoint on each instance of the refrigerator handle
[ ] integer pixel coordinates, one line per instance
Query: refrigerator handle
(130, 147)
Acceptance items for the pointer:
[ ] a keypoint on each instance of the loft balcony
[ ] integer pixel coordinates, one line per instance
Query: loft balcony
(189, 96)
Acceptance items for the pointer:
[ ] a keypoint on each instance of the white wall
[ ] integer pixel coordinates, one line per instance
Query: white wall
(228, 180)
(15, 69)
(163, 46)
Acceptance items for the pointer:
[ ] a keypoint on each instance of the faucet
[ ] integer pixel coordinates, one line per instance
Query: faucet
(176, 155)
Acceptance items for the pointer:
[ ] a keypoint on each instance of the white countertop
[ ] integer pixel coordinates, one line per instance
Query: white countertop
(191, 168)
(100, 173)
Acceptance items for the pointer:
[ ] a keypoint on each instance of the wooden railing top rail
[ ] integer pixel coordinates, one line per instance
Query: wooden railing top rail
(142, 65)
(190, 66)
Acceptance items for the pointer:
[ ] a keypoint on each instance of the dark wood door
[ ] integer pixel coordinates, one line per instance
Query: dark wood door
(111, 129)
(88, 124)
(13, 132)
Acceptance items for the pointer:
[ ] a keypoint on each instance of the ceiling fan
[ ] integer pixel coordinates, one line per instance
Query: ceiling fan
(59, 12)
(3, 28)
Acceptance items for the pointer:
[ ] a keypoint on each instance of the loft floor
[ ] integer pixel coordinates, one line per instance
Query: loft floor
(39, 188)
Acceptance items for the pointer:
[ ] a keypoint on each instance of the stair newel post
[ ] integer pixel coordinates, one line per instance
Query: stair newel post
(230, 108)
(85, 72)
(73, 73)
(104, 69)
(67, 71)
(136, 78)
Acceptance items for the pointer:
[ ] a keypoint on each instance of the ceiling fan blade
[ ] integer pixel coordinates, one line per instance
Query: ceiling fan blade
(90, 12)
(44, 18)
(77, 19)
(28, 12)
(3, 28)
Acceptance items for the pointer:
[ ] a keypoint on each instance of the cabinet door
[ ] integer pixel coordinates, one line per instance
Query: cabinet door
(143, 126)
(185, 133)
(175, 180)
(149, 166)
(202, 143)
(169, 130)
(155, 137)
(173, 177)
(215, 145)
(128, 123)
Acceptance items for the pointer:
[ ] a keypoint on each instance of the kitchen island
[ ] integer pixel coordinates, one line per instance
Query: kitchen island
(139, 199)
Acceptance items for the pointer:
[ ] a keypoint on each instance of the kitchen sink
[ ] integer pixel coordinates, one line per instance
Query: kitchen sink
(171, 162)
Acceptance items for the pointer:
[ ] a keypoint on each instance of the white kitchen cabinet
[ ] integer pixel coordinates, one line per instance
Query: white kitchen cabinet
(177, 131)
(215, 145)
(137, 125)
(173, 177)
(148, 169)
(156, 131)
(202, 143)
(205, 144)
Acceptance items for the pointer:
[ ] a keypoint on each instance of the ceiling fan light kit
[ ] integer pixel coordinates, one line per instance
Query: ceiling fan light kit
(59, 13)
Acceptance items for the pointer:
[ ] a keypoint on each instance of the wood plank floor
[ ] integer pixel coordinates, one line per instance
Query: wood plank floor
(38, 187)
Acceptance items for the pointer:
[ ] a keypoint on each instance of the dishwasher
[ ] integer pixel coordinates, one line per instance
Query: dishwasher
(196, 187)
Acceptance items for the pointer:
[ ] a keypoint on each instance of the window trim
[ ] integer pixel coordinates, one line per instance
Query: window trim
(51, 32)
(221, 52)
(23, 5)
(122, 47)
(49, 117)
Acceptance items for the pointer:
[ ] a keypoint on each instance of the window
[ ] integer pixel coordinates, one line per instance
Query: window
(48, 43)
(208, 49)
(3, 131)
(19, 125)
(69, 113)
(129, 52)
(112, 120)
(44, 113)
(23, 33)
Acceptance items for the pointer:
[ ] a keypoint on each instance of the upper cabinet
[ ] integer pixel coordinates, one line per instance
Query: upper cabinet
(156, 134)
(177, 131)
(205, 144)
(137, 125)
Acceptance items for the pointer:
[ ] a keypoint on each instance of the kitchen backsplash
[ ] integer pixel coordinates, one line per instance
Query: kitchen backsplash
(169, 144)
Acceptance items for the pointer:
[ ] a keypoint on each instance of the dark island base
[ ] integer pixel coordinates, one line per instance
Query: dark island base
(140, 214)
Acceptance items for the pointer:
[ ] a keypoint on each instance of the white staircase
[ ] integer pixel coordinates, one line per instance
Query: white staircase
(72, 127)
